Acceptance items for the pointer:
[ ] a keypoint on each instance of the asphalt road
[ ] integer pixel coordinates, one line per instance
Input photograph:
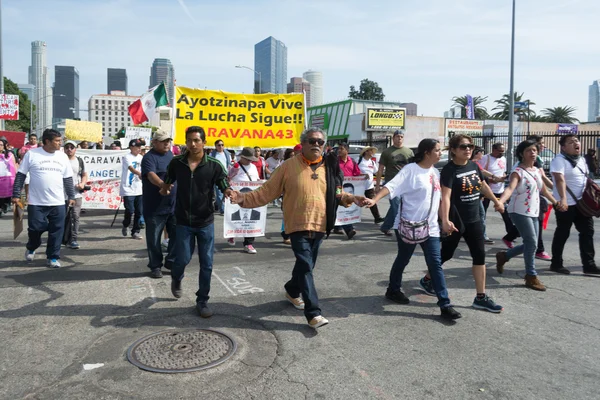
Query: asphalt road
(55, 322)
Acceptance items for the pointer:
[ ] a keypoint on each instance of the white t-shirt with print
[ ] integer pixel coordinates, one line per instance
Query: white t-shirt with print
(131, 184)
(497, 166)
(368, 167)
(273, 164)
(574, 177)
(414, 186)
(525, 199)
(46, 174)
(238, 174)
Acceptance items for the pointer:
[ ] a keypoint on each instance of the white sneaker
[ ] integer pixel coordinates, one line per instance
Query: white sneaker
(52, 263)
(231, 241)
(250, 249)
(318, 322)
(29, 255)
(165, 242)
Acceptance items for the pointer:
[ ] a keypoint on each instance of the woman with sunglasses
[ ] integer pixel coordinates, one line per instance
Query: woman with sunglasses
(462, 186)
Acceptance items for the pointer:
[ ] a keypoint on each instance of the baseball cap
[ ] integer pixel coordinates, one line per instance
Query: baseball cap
(398, 132)
(70, 142)
(135, 142)
(161, 135)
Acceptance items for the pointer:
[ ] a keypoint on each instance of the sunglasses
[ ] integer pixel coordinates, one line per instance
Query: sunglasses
(319, 142)
(466, 146)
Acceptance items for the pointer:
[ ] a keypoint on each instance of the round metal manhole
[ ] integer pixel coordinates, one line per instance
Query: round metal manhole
(181, 350)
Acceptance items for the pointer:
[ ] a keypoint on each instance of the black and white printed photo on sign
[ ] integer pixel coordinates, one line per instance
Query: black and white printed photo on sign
(244, 222)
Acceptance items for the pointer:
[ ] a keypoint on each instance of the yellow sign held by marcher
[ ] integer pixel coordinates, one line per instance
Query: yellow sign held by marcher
(83, 130)
(240, 120)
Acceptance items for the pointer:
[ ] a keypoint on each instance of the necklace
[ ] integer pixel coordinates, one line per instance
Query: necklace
(314, 167)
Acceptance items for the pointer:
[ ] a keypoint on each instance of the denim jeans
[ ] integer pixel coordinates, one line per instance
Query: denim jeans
(584, 225)
(529, 229)
(155, 224)
(46, 218)
(184, 248)
(432, 251)
(133, 206)
(390, 217)
(306, 249)
(219, 203)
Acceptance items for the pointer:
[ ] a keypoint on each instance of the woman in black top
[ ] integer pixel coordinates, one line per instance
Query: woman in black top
(462, 186)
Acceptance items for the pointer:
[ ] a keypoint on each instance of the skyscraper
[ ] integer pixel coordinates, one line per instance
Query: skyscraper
(316, 86)
(28, 89)
(162, 71)
(270, 61)
(116, 79)
(66, 94)
(38, 77)
(300, 85)
(594, 101)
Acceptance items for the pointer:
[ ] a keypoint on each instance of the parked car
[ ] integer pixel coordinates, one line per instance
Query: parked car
(547, 156)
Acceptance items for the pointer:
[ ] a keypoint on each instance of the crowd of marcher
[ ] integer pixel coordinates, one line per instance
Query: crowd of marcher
(174, 193)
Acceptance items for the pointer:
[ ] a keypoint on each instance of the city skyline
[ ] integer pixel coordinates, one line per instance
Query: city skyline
(270, 66)
(438, 56)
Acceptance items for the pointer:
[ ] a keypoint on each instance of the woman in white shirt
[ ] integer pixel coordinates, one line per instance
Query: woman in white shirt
(418, 186)
(369, 167)
(525, 186)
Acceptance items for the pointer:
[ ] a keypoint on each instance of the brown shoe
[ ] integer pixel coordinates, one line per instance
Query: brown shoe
(532, 282)
(500, 261)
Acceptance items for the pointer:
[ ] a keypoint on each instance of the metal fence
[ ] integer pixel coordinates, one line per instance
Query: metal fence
(381, 144)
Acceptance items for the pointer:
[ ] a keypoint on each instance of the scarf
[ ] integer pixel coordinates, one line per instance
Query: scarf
(571, 159)
(317, 161)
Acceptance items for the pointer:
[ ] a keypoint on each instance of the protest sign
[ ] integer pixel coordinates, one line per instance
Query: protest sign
(355, 185)
(244, 222)
(136, 132)
(15, 139)
(104, 176)
(83, 130)
(9, 106)
(240, 120)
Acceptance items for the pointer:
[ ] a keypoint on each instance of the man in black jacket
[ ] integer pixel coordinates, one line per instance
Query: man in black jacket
(196, 173)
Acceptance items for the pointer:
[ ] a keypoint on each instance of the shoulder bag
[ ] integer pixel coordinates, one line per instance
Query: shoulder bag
(415, 232)
(589, 204)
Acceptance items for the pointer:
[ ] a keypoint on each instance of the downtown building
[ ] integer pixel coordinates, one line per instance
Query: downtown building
(162, 71)
(270, 64)
(594, 102)
(116, 79)
(42, 92)
(112, 111)
(300, 85)
(65, 98)
(315, 78)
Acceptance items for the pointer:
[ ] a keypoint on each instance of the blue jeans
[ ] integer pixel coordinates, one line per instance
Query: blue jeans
(306, 249)
(184, 248)
(46, 218)
(133, 206)
(390, 217)
(529, 229)
(432, 251)
(155, 225)
(219, 203)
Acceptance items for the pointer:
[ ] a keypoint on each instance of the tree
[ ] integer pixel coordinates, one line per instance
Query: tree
(23, 124)
(503, 108)
(368, 90)
(480, 111)
(560, 115)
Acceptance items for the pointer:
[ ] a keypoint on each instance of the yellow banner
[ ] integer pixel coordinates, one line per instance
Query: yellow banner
(83, 130)
(240, 120)
(382, 119)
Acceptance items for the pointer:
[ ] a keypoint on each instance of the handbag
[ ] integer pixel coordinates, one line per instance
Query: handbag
(415, 232)
(589, 204)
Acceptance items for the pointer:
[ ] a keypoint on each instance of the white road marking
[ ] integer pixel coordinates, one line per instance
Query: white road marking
(241, 271)
(89, 367)
(224, 284)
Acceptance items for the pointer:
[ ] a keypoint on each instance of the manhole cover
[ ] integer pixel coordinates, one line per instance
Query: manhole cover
(181, 350)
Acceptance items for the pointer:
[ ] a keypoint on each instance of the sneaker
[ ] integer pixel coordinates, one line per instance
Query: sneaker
(318, 322)
(156, 273)
(532, 282)
(560, 270)
(593, 270)
(501, 259)
(287, 241)
(29, 255)
(204, 310)
(124, 231)
(397, 297)
(231, 241)
(449, 313)
(427, 286)
(486, 303)
(508, 243)
(379, 220)
(351, 234)
(52, 263)
(74, 245)
(542, 255)
(488, 241)
(176, 288)
(250, 249)
(387, 233)
(142, 226)
(297, 302)
(164, 245)
(137, 236)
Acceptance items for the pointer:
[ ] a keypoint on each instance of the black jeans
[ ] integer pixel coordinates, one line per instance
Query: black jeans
(306, 249)
(155, 224)
(133, 206)
(49, 219)
(585, 227)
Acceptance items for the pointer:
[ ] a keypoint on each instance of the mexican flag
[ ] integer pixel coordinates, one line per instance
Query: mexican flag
(143, 108)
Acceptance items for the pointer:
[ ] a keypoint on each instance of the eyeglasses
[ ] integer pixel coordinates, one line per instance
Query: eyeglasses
(320, 142)
(466, 146)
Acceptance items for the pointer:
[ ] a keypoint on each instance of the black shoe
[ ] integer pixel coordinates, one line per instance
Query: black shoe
(176, 288)
(397, 297)
(351, 234)
(204, 310)
(593, 270)
(156, 273)
(168, 265)
(450, 314)
(379, 220)
(337, 231)
(560, 270)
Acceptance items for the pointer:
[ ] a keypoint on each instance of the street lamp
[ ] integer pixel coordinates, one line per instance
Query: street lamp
(256, 72)
(31, 110)
(511, 104)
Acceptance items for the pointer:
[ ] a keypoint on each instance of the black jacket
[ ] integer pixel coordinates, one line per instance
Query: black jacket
(335, 180)
(195, 199)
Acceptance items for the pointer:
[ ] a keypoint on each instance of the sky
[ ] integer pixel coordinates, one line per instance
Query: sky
(421, 51)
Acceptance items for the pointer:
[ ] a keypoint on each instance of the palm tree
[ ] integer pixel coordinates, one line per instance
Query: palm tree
(503, 108)
(560, 115)
(480, 111)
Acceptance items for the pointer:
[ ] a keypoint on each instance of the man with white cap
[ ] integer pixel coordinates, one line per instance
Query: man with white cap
(80, 178)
